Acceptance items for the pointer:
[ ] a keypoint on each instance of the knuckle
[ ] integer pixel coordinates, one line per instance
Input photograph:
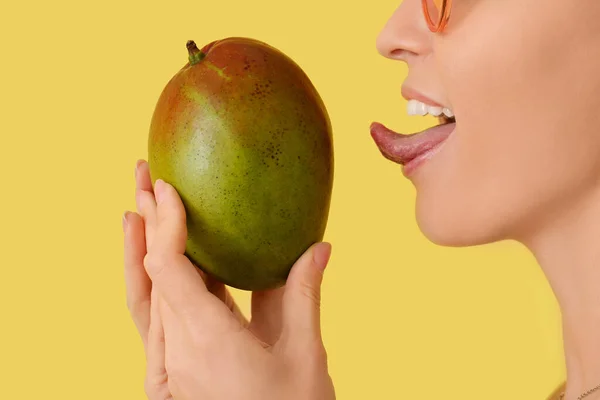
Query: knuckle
(137, 307)
(311, 292)
(156, 387)
(155, 263)
(132, 307)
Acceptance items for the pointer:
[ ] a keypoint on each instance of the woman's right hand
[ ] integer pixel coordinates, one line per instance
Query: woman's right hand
(197, 343)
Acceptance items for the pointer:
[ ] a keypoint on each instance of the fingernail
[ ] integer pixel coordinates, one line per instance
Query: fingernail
(321, 254)
(158, 190)
(125, 215)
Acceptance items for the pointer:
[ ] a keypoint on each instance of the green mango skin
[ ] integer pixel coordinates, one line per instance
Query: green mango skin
(246, 141)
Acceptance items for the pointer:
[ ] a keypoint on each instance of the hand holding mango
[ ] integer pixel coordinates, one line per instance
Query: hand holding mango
(197, 343)
(243, 136)
(241, 161)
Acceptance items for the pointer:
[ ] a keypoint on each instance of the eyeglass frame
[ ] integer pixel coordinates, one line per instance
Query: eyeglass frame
(440, 25)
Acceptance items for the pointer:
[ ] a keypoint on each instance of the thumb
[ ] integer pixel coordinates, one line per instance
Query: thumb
(302, 297)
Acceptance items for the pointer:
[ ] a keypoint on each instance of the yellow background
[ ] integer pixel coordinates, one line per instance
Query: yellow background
(402, 318)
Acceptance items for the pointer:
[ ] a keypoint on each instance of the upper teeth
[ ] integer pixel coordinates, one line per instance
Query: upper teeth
(415, 107)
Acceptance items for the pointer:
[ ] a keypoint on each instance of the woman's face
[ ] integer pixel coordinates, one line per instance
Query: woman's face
(523, 80)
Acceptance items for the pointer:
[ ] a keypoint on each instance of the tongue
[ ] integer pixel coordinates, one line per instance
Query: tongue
(401, 148)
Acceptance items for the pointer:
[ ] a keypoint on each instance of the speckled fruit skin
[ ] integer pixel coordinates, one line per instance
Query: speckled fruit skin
(246, 140)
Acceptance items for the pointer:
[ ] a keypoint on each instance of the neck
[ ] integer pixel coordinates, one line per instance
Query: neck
(568, 250)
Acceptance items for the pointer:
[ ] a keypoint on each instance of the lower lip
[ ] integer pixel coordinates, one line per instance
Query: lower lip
(410, 167)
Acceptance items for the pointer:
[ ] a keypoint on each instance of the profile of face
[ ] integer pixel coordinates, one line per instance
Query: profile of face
(522, 78)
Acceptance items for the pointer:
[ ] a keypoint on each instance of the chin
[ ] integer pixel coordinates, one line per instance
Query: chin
(455, 227)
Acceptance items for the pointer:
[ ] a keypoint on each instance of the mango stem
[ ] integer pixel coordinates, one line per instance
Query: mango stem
(195, 55)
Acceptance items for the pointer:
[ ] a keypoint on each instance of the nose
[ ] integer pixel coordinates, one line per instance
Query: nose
(405, 35)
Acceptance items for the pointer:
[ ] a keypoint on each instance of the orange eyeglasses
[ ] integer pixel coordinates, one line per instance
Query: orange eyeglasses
(437, 13)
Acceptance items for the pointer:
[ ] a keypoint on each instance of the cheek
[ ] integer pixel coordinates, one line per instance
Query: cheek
(471, 191)
(492, 181)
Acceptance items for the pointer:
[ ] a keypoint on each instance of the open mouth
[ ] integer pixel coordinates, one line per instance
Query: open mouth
(413, 149)
(444, 114)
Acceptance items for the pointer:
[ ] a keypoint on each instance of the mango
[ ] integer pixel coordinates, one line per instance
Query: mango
(245, 138)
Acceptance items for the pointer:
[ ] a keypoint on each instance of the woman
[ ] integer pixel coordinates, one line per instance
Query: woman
(522, 162)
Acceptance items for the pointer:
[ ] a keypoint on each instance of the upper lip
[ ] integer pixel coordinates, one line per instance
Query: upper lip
(411, 94)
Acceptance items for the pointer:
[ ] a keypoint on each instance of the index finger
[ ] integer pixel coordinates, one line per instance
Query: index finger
(177, 279)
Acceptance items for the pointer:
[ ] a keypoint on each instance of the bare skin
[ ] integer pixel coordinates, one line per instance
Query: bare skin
(522, 164)
(524, 161)
(198, 345)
